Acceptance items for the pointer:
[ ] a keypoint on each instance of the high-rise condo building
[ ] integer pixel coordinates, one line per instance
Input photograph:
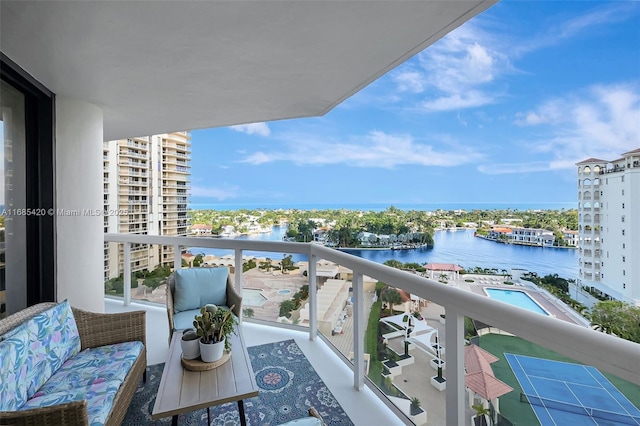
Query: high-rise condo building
(146, 186)
(609, 226)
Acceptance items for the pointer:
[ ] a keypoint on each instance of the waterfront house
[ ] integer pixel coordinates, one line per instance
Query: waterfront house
(499, 234)
(75, 74)
(200, 229)
(570, 237)
(532, 236)
(523, 236)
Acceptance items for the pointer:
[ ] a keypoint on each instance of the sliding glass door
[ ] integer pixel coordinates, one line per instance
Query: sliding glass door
(27, 245)
(13, 243)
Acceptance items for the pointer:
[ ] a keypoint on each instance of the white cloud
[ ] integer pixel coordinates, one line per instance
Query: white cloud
(260, 158)
(464, 69)
(410, 81)
(374, 150)
(507, 168)
(550, 112)
(218, 193)
(587, 23)
(456, 71)
(600, 122)
(461, 61)
(261, 129)
(457, 101)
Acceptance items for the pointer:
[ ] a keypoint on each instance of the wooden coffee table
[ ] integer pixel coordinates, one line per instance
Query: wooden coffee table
(181, 390)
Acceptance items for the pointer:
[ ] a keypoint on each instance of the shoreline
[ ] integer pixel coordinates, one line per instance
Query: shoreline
(517, 243)
(425, 246)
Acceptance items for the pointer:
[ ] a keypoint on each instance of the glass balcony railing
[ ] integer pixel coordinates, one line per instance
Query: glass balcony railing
(342, 299)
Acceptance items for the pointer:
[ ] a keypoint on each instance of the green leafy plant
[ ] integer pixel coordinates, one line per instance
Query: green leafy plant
(481, 412)
(214, 325)
(415, 405)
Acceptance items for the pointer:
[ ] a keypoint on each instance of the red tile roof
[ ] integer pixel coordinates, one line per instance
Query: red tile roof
(502, 230)
(477, 359)
(479, 374)
(485, 385)
(200, 226)
(404, 295)
(635, 151)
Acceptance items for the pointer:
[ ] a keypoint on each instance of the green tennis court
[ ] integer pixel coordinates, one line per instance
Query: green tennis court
(562, 393)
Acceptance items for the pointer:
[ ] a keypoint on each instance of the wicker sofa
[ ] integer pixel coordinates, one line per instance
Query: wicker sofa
(68, 366)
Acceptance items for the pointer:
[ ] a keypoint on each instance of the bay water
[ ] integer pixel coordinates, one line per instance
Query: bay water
(458, 247)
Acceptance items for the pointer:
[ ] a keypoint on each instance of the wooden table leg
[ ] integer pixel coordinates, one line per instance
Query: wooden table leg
(243, 420)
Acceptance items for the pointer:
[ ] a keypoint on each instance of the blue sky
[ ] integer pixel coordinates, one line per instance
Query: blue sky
(499, 111)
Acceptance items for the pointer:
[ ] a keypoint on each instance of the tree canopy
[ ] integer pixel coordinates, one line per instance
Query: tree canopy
(618, 318)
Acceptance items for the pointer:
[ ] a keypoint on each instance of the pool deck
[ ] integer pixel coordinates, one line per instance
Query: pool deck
(553, 308)
(270, 284)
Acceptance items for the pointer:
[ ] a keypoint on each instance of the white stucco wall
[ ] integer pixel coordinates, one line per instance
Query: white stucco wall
(79, 239)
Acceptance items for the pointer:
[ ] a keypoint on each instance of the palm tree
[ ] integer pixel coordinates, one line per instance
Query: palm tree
(391, 296)
(605, 316)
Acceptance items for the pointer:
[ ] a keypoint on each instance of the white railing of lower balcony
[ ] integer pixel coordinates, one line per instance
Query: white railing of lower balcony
(606, 352)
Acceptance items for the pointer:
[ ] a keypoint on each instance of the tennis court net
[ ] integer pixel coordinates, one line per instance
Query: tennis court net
(596, 413)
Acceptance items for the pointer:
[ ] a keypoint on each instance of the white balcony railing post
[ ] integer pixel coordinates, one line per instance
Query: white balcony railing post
(454, 358)
(358, 330)
(313, 297)
(177, 258)
(126, 275)
(237, 274)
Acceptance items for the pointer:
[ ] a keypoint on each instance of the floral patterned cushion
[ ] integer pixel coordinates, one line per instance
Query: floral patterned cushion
(13, 372)
(92, 366)
(52, 338)
(99, 398)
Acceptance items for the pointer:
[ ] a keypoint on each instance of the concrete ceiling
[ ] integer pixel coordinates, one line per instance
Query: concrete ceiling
(183, 65)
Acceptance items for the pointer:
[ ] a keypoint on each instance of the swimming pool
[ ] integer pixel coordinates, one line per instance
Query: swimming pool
(516, 298)
(253, 297)
(284, 291)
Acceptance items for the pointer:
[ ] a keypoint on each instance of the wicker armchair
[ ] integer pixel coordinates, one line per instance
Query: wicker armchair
(95, 329)
(233, 299)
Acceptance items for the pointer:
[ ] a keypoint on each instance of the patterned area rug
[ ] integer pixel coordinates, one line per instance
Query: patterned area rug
(288, 387)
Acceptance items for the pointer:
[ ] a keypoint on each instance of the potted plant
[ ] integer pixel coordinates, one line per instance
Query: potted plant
(482, 414)
(190, 344)
(415, 406)
(417, 413)
(213, 326)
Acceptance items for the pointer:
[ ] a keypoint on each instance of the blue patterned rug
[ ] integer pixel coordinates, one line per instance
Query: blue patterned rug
(288, 387)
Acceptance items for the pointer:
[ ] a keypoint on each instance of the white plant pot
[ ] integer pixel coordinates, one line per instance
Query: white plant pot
(190, 348)
(434, 364)
(420, 418)
(211, 352)
(438, 385)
